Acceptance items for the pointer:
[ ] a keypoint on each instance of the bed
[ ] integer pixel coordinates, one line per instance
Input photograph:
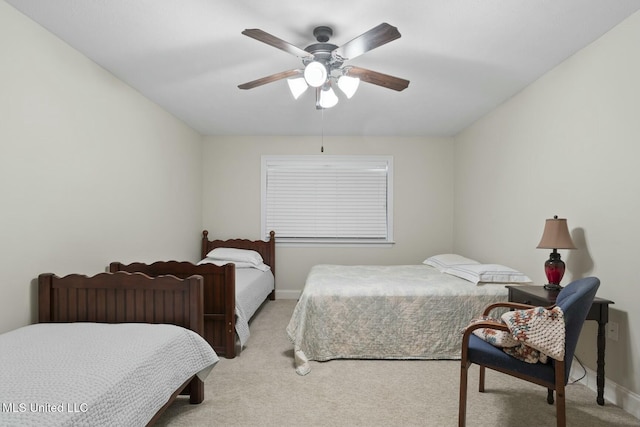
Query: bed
(388, 312)
(232, 294)
(112, 349)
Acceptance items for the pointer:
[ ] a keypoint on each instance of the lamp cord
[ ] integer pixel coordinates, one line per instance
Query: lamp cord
(583, 369)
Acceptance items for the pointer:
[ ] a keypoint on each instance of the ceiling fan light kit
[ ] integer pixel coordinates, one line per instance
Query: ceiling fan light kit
(322, 59)
(348, 85)
(315, 74)
(297, 86)
(328, 97)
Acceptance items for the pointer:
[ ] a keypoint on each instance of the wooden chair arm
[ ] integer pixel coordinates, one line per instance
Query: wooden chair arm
(483, 324)
(510, 305)
(486, 324)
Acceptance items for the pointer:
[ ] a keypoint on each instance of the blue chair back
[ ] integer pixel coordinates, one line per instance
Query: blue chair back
(575, 301)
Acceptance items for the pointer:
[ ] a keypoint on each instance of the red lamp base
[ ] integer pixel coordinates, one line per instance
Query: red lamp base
(554, 270)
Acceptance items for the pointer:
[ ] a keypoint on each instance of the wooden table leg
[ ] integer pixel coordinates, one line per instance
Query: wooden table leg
(600, 371)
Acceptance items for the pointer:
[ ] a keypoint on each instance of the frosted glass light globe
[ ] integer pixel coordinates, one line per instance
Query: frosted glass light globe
(315, 74)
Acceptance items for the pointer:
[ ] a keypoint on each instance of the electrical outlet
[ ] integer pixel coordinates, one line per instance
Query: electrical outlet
(612, 331)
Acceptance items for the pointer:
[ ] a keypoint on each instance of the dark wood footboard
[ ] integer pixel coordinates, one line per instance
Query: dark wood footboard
(219, 297)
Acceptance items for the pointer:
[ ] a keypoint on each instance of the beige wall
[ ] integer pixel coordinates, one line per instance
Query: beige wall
(90, 171)
(568, 145)
(423, 198)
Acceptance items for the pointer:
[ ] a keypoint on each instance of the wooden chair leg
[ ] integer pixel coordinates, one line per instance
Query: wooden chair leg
(561, 416)
(550, 396)
(462, 405)
(560, 407)
(481, 380)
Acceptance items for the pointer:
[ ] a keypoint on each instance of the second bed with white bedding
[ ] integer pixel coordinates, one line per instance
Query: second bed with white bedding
(253, 287)
(238, 276)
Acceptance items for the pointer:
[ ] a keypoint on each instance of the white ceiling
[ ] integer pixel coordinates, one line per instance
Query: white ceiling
(463, 57)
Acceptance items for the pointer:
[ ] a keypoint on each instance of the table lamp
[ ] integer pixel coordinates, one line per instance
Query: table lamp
(555, 236)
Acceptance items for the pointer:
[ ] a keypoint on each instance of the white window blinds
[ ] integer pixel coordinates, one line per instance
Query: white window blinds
(327, 198)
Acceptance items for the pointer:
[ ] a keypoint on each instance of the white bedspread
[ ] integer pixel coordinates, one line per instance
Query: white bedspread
(95, 374)
(252, 288)
(384, 312)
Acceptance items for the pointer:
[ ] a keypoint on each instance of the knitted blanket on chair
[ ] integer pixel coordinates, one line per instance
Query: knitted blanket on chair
(534, 334)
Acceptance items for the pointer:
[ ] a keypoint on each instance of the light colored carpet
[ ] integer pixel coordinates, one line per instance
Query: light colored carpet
(261, 388)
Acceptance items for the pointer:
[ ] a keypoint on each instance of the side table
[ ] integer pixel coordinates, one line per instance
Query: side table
(539, 296)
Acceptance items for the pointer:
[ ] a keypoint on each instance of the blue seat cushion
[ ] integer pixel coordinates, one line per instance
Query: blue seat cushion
(483, 353)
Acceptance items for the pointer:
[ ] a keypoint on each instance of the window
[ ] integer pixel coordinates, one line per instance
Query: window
(328, 199)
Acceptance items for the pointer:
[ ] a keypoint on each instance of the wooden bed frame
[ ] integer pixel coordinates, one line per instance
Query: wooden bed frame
(219, 286)
(126, 298)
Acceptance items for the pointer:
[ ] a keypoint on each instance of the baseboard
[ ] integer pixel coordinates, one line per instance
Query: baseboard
(287, 294)
(614, 393)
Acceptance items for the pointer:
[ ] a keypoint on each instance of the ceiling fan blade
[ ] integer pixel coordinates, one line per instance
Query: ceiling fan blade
(384, 80)
(274, 41)
(270, 79)
(375, 37)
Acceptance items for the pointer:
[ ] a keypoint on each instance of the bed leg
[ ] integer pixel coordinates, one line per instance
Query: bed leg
(196, 392)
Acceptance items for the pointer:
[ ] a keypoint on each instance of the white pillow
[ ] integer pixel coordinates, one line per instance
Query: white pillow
(444, 261)
(487, 273)
(236, 255)
(238, 264)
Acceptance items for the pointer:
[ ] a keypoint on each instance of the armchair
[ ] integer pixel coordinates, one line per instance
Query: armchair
(575, 301)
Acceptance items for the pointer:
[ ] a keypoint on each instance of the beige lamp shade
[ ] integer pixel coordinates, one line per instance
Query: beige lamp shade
(556, 235)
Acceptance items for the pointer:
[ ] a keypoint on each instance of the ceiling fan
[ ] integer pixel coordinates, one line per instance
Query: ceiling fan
(324, 62)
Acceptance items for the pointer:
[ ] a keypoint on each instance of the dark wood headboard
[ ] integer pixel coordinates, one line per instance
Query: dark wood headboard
(266, 249)
(121, 297)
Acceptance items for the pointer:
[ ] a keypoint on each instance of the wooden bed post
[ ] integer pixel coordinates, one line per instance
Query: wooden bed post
(272, 261)
(196, 304)
(195, 388)
(44, 297)
(204, 246)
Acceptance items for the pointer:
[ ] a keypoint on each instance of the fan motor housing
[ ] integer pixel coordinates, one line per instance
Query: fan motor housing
(322, 51)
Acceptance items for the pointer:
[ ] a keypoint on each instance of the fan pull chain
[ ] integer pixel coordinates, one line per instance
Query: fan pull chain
(322, 133)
